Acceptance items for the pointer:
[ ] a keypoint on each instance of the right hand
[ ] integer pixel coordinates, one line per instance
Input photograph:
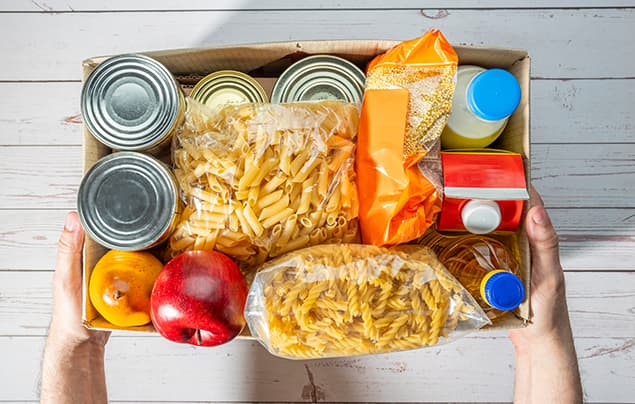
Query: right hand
(548, 306)
(66, 328)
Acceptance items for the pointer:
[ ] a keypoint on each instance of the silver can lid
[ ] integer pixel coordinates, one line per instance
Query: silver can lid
(130, 102)
(320, 77)
(127, 201)
(228, 87)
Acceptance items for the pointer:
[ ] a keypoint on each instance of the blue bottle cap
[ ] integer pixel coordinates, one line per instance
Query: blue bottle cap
(503, 291)
(493, 94)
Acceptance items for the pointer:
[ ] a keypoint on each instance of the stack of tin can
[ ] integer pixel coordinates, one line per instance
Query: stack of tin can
(132, 103)
(129, 200)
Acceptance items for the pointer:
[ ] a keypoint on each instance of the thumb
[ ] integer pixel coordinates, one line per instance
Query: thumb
(543, 241)
(69, 247)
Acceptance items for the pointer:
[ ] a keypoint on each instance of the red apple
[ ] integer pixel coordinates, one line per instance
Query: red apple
(198, 298)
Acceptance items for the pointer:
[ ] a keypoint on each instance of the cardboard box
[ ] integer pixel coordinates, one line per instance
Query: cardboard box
(267, 61)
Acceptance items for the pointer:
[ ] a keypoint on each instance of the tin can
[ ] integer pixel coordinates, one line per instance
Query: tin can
(132, 102)
(228, 87)
(320, 77)
(128, 201)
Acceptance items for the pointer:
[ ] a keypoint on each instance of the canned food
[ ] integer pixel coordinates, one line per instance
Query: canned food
(320, 77)
(132, 102)
(128, 201)
(228, 87)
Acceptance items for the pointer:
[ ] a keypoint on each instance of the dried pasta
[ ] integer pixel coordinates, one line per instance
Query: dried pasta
(351, 299)
(261, 180)
(430, 86)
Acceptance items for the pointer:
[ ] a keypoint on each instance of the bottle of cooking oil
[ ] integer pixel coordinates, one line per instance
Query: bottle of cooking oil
(485, 266)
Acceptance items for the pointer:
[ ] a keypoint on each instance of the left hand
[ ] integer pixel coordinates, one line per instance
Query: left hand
(548, 308)
(66, 327)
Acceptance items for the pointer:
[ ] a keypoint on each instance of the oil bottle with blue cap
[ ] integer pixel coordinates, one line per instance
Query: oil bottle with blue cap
(486, 267)
(483, 101)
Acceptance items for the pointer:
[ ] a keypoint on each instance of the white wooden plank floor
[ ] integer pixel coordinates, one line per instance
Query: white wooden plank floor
(583, 135)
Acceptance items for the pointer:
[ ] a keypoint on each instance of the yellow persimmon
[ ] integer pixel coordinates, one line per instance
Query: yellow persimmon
(121, 284)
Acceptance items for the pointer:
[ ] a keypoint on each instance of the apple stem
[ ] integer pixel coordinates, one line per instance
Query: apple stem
(198, 337)
(117, 294)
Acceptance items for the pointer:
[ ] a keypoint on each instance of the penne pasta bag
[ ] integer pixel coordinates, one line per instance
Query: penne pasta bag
(406, 106)
(260, 180)
(352, 299)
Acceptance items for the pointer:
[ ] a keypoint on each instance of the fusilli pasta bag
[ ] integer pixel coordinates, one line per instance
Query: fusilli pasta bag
(260, 180)
(351, 299)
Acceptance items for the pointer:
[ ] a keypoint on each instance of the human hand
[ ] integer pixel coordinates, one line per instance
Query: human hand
(73, 361)
(66, 328)
(548, 306)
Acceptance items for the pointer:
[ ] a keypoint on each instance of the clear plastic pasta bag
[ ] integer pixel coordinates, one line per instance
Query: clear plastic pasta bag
(259, 180)
(351, 299)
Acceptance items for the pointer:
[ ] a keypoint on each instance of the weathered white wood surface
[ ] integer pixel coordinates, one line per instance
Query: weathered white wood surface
(561, 42)
(120, 5)
(583, 156)
(149, 368)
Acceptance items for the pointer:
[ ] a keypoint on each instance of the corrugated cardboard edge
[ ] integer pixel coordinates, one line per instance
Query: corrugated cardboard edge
(247, 57)
(519, 124)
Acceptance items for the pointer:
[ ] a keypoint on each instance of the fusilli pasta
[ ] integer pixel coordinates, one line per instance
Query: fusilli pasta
(350, 299)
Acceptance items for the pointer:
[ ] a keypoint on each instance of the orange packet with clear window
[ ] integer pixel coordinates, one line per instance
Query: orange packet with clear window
(406, 105)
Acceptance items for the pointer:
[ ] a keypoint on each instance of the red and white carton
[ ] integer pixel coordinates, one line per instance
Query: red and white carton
(484, 191)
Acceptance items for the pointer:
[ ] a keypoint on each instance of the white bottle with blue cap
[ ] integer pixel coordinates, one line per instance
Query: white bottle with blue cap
(483, 101)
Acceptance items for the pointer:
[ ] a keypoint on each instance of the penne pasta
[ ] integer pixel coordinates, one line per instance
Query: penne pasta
(307, 169)
(253, 221)
(203, 195)
(203, 229)
(274, 208)
(210, 240)
(298, 162)
(204, 216)
(244, 224)
(273, 184)
(252, 196)
(269, 199)
(213, 184)
(269, 164)
(294, 244)
(277, 218)
(234, 224)
(305, 200)
(289, 227)
(181, 244)
(323, 182)
(285, 158)
(247, 180)
(260, 180)
(334, 201)
(306, 222)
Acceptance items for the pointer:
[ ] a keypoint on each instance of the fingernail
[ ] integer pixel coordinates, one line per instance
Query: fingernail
(70, 225)
(540, 216)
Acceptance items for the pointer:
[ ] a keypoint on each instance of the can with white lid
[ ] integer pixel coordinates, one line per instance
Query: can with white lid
(132, 102)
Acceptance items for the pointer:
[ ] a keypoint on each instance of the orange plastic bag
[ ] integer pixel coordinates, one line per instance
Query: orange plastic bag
(406, 105)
